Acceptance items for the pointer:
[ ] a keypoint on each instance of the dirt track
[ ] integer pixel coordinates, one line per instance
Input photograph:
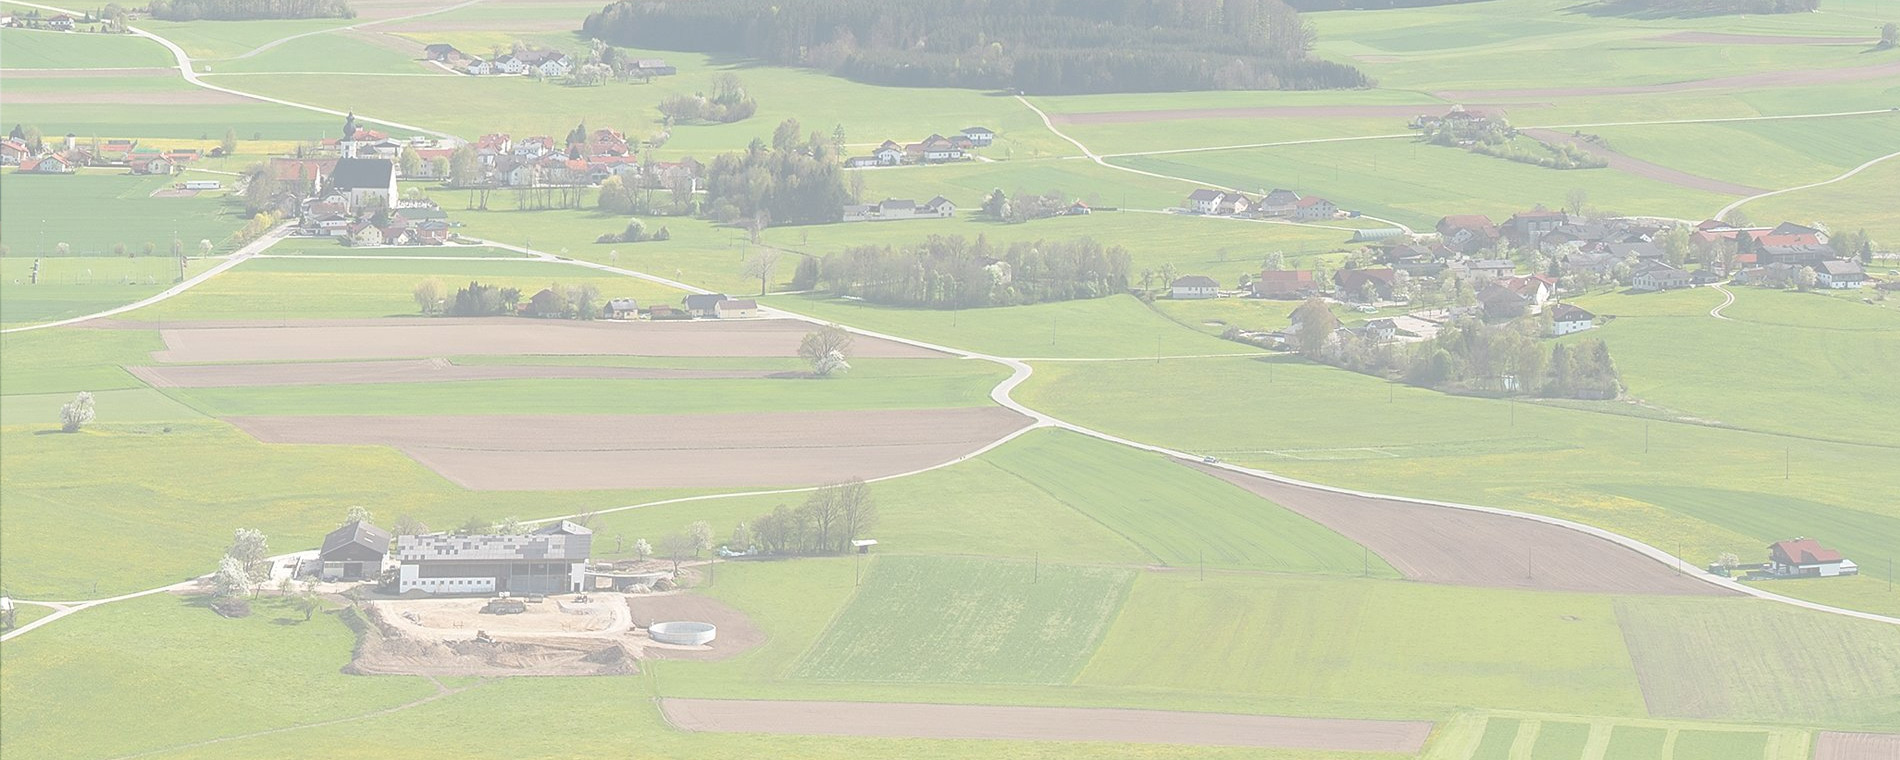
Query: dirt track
(737, 633)
(1801, 78)
(409, 371)
(1645, 169)
(553, 453)
(1044, 724)
(1836, 745)
(1466, 548)
(1274, 112)
(402, 338)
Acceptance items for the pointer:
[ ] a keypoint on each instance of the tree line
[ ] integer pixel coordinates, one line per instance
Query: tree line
(954, 273)
(1468, 356)
(1041, 46)
(1709, 7)
(228, 10)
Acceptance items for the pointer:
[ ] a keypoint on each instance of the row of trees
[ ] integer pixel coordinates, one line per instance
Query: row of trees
(954, 273)
(829, 520)
(1467, 356)
(1043, 46)
(1547, 155)
(228, 10)
(634, 232)
(476, 300)
(1024, 206)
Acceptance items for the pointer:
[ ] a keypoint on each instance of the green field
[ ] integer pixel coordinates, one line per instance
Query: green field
(1752, 661)
(1856, 203)
(76, 286)
(954, 620)
(1356, 646)
(1115, 327)
(1637, 742)
(34, 49)
(45, 210)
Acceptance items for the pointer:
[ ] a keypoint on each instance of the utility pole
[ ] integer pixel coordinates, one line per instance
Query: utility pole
(1203, 565)
(1787, 463)
(1037, 576)
(1646, 436)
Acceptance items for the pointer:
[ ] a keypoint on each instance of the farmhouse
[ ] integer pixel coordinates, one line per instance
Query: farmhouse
(13, 151)
(1204, 201)
(621, 308)
(1501, 302)
(1381, 330)
(353, 552)
(552, 560)
(1468, 233)
(1274, 283)
(1194, 286)
(1805, 557)
(1526, 229)
(703, 304)
(442, 52)
(980, 137)
(1358, 284)
(1656, 275)
(895, 209)
(368, 183)
(1496, 268)
(1312, 207)
(1839, 274)
(1280, 202)
(1566, 319)
(935, 149)
(736, 308)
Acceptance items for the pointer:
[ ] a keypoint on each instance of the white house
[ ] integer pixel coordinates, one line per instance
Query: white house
(1313, 207)
(1805, 557)
(1280, 202)
(1839, 274)
(1194, 286)
(1656, 275)
(1566, 319)
(508, 64)
(893, 209)
(1204, 201)
(979, 136)
(1497, 268)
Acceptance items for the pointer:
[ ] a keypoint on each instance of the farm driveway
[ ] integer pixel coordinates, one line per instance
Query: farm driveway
(400, 338)
(1466, 548)
(1044, 724)
(587, 452)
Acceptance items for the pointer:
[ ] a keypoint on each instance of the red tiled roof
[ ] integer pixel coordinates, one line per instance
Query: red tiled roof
(1802, 551)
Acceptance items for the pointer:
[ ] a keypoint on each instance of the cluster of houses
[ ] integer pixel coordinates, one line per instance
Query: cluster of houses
(70, 155)
(1276, 204)
(542, 161)
(693, 306)
(897, 209)
(935, 149)
(56, 23)
(550, 64)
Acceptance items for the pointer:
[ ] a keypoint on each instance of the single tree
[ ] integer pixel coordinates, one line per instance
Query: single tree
(677, 547)
(1890, 35)
(642, 549)
(410, 161)
(1804, 278)
(1575, 200)
(118, 249)
(760, 266)
(230, 581)
(428, 295)
(357, 514)
(819, 345)
(702, 534)
(511, 526)
(408, 525)
(77, 413)
(229, 143)
(250, 548)
(741, 538)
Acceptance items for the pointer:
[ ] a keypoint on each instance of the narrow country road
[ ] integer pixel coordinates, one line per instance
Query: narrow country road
(1849, 173)
(1727, 299)
(264, 241)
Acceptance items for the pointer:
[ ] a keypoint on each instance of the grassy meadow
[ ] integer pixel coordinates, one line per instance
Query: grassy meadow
(46, 210)
(37, 49)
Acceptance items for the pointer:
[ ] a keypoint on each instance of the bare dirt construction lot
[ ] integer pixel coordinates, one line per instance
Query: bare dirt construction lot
(1835, 745)
(554, 453)
(1466, 548)
(405, 338)
(384, 647)
(1043, 723)
(737, 633)
(1273, 112)
(408, 371)
(459, 618)
(1643, 168)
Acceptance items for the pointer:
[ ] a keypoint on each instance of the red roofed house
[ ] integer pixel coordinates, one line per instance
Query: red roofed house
(1805, 557)
(1311, 207)
(1276, 283)
(1468, 233)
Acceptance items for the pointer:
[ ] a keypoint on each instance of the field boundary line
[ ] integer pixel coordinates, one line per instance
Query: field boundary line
(1849, 173)
(351, 27)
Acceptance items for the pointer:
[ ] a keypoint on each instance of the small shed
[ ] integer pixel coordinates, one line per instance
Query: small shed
(863, 545)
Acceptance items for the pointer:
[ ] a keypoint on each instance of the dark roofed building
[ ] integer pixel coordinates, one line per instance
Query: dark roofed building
(353, 552)
(703, 304)
(367, 182)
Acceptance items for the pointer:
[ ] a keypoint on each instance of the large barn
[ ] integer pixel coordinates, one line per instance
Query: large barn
(552, 560)
(353, 552)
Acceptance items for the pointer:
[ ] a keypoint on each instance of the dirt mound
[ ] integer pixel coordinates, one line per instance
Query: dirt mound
(382, 650)
(737, 633)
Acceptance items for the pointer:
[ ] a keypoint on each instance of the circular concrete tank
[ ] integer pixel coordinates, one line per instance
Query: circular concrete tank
(683, 633)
